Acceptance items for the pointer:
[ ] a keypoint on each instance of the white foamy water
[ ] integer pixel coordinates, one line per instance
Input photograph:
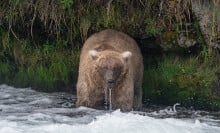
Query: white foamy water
(28, 111)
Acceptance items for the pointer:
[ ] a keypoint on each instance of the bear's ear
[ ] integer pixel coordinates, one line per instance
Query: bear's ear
(93, 54)
(126, 55)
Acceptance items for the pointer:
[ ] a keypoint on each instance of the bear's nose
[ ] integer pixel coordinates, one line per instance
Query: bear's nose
(110, 81)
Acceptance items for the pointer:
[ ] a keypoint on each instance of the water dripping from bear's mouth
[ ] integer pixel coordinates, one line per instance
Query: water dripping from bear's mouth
(108, 99)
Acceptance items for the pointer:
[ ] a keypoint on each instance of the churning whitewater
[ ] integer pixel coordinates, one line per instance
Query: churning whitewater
(28, 111)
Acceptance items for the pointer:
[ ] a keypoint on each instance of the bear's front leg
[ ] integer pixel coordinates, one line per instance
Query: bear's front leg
(90, 98)
(123, 99)
(89, 102)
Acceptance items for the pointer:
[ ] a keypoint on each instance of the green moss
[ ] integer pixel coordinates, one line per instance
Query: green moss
(49, 67)
(152, 29)
(177, 80)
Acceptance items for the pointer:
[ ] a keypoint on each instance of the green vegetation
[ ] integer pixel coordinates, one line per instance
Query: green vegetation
(48, 67)
(74, 20)
(187, 80)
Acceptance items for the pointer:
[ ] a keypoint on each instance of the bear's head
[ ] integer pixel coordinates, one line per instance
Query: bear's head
(110, 65)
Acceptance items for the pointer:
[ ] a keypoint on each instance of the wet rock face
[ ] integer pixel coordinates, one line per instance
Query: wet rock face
(177, 16)
(181, 16)
(207, 13)
(185, 42)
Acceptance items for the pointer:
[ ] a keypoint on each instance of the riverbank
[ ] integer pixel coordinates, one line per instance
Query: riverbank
(191, 80)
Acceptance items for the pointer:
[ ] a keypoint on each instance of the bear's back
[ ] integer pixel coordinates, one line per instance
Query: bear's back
(112, 40)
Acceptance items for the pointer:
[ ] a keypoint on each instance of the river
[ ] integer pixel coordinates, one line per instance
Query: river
(23, 110)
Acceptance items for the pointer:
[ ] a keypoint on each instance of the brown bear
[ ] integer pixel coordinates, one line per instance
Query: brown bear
(110, 59)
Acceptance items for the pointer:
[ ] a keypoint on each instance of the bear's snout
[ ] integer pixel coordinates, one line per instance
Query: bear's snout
(109, 79)
(110, 83)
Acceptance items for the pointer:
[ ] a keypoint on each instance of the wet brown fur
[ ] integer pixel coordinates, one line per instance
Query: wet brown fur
(127, 93)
